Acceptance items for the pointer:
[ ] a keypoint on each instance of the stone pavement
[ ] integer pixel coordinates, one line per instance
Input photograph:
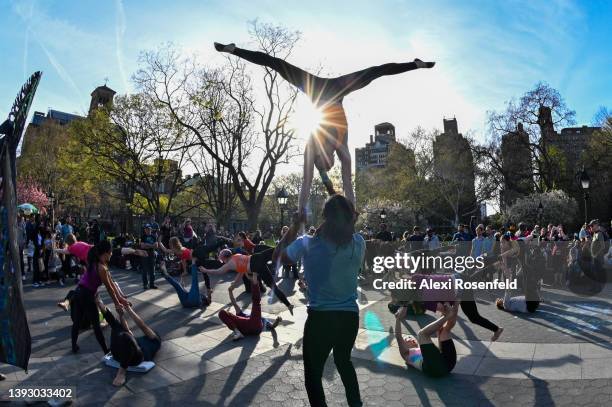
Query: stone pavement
(563, 356)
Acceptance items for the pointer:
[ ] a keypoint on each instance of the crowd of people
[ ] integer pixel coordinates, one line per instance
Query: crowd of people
(326, 261)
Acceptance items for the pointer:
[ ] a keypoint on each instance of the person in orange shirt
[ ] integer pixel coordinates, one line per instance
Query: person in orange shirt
(260, 263)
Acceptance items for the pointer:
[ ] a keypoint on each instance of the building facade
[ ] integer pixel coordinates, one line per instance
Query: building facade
(454, 174)
(517, 167)
(375, 153)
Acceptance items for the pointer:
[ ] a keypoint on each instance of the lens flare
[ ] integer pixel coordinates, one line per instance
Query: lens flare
(307, 117)
(378, 341)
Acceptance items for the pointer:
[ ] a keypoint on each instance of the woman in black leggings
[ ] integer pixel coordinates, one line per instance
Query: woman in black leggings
(332, 259)
(327, 94)
(244, 264)
(84, 299)
(469, 308)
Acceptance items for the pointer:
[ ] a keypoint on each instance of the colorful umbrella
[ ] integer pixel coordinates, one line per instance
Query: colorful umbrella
(27, 208)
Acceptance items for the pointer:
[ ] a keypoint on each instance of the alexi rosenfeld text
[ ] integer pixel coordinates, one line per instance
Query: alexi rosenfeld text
(403, 262)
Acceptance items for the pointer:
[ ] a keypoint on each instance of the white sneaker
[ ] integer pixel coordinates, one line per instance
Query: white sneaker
(35, 285)
(237, 335)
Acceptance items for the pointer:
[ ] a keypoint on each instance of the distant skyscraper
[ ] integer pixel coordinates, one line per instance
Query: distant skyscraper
(375, 153)
(454, 172)
(516, 166)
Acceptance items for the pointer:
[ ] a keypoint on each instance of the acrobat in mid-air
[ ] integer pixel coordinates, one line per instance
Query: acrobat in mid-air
(327, 95)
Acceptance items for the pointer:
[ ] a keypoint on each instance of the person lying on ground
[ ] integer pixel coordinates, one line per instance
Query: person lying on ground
(126, 349)
(421, 353)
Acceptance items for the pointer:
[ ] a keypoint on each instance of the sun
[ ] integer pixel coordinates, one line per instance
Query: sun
(306, 118)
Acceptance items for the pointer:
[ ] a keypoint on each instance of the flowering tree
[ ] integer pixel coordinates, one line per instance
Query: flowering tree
(557, 207)
(29, 191)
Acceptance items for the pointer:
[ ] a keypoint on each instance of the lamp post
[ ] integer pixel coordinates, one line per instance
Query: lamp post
(540, 211)
(383, 216)
(282, 196)
(585, 182)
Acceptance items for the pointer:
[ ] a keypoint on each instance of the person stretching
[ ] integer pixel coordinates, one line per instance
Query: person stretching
(191, 298)
(80, 250)
(327, 94)
(528, 302)
(188, 259)
(84, 300)
(125, 347)
(256, 263)
(241, 324)
(422, 353)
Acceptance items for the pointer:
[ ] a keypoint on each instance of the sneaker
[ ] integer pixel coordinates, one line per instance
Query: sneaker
(35, 285)
(237, 335)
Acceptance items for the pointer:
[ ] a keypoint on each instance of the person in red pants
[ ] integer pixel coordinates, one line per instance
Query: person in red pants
(242, 324)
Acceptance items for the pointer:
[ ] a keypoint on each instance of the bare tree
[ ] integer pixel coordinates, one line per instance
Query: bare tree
(247, 137)
(531, 112)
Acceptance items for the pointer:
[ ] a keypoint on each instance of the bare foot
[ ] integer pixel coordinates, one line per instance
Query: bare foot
(63, 305)
(497, 334)
(120, 378)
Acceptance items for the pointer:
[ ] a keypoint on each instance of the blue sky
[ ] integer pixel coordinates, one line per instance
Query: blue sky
(486, 51)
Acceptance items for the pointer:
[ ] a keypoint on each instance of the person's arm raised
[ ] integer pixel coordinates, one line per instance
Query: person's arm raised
(141, 324)
(308, 175)
(290, 236)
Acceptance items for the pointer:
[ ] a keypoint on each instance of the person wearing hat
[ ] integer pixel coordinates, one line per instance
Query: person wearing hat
(149, 243)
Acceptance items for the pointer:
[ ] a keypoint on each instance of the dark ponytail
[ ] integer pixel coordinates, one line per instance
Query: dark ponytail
(93, 257)
(339, 220)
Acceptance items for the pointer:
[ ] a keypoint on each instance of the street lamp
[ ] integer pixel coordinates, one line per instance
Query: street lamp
(282, 196)
(585, 182)
(383, 215)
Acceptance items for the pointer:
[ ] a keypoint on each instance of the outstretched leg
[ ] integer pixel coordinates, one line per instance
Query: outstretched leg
(292, 74)
(357, 80)
(180, 291)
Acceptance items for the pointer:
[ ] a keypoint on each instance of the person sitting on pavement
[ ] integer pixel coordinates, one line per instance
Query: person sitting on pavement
(241, 324)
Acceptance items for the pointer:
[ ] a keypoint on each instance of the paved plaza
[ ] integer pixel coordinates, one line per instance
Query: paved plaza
(560, 356)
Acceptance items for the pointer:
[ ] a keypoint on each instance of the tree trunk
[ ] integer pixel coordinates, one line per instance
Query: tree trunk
(252, 211)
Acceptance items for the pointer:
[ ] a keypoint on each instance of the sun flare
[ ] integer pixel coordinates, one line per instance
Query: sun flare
(307, 118)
